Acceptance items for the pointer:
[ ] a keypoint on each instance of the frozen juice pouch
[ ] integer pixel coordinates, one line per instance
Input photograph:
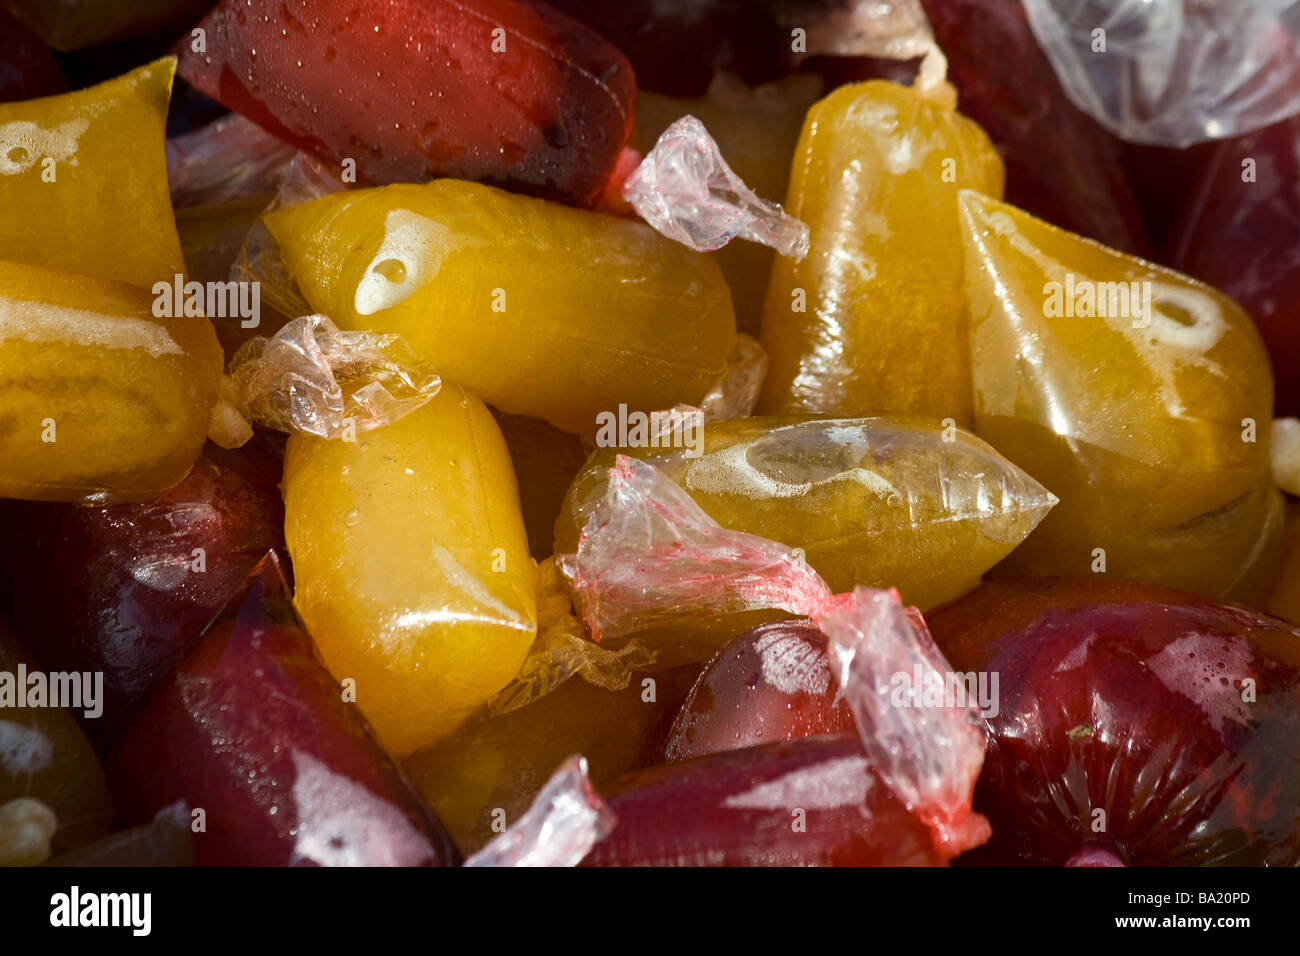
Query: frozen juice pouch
(100, 399)
(534, 307)
(83, 180)
(874, 318)
(412, 566)
(505, 91)
(892, 502)
(1142, 397)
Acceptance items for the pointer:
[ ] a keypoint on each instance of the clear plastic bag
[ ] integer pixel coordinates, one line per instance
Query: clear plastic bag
(1174, 72)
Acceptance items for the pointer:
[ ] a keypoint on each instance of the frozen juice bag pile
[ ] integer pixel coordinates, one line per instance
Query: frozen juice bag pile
(475, 437)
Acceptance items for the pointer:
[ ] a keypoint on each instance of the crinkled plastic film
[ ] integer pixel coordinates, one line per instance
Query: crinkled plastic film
(311, 378)
(260, 261)
(686, 190)
(1174, 72)
(929, 755)
(650, 556)
(563, 650)
(566, 819)
(736, 392)
(648, 548)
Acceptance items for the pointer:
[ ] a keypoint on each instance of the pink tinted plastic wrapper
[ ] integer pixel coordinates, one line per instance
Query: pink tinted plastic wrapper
(230, 158)
(311, 378)
(1174, 72)
(566, 819)
(687, 192)
(930, 756)
(650, 555)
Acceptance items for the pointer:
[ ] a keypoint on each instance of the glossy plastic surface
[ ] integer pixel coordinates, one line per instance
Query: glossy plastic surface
(882, 501)
(100, 399)
(510, 297)
(412, 565)
(756, 128)
(873, 320)
(83, 180)
(502, 91)
(1155, 723)
(1141, 397)
(251, 729)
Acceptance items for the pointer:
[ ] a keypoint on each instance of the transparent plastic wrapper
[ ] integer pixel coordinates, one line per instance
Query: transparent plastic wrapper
(260, 261)
(927, 763)
(873, 319)
(929, 756)
(888, 501)
(106, 212)
(647, 529)
(1142, 397)
(311, 378)
(566, 820)
(1152, 725)
(1174, 72)
(735, 394)
(686, 190)
(562, 650)
(229, 159)
(1069, 170)
(756, 129)
(510, 296)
